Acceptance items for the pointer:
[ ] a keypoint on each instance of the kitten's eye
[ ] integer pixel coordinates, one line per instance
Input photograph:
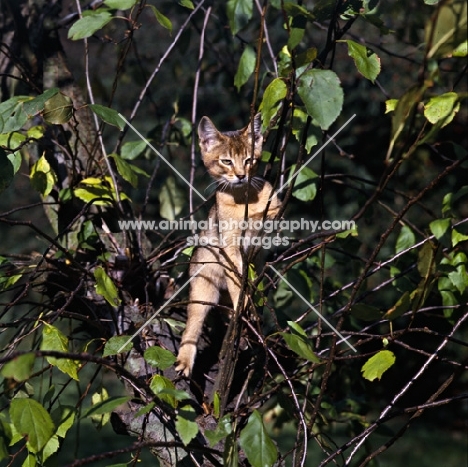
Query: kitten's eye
(248, 161)
(226, 161)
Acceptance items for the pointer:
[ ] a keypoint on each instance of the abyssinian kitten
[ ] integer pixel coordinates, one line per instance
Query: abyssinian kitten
(229, 159)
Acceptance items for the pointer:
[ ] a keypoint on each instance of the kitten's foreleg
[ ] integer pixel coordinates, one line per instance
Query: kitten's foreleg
(203, 288)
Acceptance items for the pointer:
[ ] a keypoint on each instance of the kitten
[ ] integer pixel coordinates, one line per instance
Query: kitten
(229, 160)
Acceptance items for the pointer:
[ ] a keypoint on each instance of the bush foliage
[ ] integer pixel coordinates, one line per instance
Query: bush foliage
(351, 334)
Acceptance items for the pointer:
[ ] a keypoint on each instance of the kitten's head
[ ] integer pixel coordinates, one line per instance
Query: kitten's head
(228, 156)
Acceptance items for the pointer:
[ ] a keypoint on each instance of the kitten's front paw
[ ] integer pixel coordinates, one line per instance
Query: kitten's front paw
(186, 358)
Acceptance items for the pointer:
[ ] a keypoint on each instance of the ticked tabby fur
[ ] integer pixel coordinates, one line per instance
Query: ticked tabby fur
(230, 160)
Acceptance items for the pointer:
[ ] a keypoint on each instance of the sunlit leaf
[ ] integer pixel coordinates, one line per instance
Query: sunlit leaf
(20, 368)
(132, 149)
(321, 92)
(117, 344)
(439, 227)
(458, 237)
(42, 176)
(367, 61)
(272, 97)
(305, 188)
(160, 383)
(54, 339)
(105, 287)
(108, 115)
(442, 109)
(405, 240)
(120, 4)
(447, 29)
(58, 109)
(32, 421)
(91, 22)
(246, 67)
(377, 365)
(186, 425)
(159, 357)
(256, 443)
(223, 429)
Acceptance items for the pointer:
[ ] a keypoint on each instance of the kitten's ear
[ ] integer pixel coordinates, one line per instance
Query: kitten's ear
(207, 133)
(257, 127)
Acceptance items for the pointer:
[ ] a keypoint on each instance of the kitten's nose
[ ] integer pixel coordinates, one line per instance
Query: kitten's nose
(241, 177)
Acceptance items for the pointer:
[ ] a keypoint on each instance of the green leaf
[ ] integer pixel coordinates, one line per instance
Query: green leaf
(132, 149)
(367, 62)
(91, 22)
(272, 97)
(186, 3)
(97, 190)
(36, 105)
(12, 140)
(246, 67)
(164, 21)
(30, 461)
(159, 357)
(403, 111)
(36, 132)
(365, 312)
(459, 278)
(159, 384)
(377, 365)
(321, 92)
(58, 109)
(405, 240)
(108, 115)
(13, 115)
(257, 445)
(171, 199)
(298, 341)
(186, 425)
(105, 287)
(239, 12)
(105, 405)
(449, 29)
(458, 237)
(7, 172)
(20, 368)
(439, 227)
(296, 31)
(32, 421)
(304, 188)
(63, 418)
(115, 343)
(426, 259)
(125, 170)
(42, 177)
(442, 109)
(120, 4)
(461, 50)
(390, 105)
(223, 429)
(54, 339)
(50, 448)
(401, 306)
